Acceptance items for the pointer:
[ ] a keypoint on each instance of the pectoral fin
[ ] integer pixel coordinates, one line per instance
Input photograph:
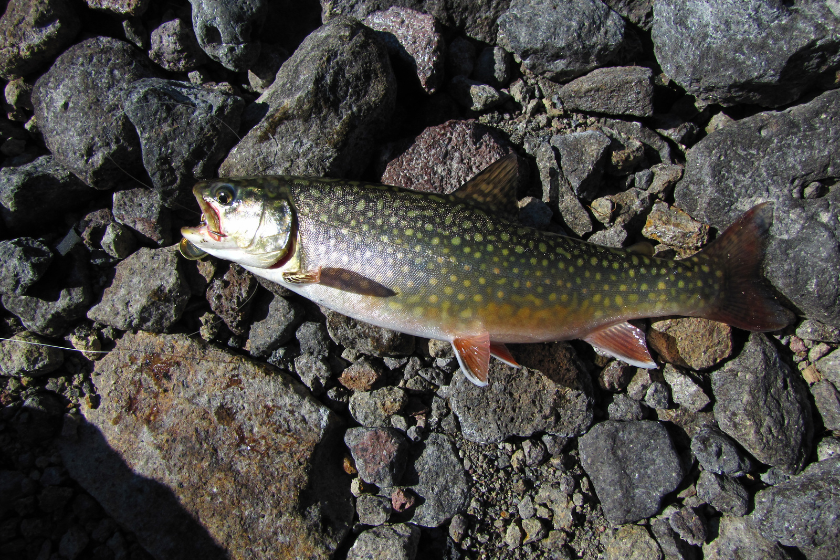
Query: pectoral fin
(623, 341)
(473, 355)
(340, 279)
(500, 352)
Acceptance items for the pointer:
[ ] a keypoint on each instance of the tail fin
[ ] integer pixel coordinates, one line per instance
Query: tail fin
(746, 301)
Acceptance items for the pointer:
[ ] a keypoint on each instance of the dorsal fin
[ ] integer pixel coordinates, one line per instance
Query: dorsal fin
(494, 189)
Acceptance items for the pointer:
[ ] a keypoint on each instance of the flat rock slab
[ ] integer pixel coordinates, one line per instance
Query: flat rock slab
(520, 402)
(201, 453)
(632, 466)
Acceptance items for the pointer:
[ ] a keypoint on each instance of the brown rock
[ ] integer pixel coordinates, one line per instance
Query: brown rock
(674, 227)
(691, 342)
(204, 454)
(362, 375)
(231, 297)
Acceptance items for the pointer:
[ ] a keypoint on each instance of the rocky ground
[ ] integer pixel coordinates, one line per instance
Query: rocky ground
(186, 409)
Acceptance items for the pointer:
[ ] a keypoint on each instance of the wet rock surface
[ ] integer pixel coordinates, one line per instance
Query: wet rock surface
(98, 156)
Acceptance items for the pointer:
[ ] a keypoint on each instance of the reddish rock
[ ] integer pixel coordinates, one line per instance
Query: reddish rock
(442, 158)
(230, 298)
(361, 376)
(402, 499)
(379, 453)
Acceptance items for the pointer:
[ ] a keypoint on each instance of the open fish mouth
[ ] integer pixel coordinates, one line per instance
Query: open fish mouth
(210, 220)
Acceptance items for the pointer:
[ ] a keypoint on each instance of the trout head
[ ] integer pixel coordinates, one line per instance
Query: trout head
(243, 221)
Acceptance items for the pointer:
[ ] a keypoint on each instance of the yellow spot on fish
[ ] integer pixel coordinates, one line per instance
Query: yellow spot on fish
(542, 247)
(606, 301)
(467, 283)
(456, 240)
(619, 300)
(644, 287)
(704, 268)
(660, 286)
(482, 280)
(448, 290)
(433, 299)
(593, 261)
(409, 232)
(433, 281)
(466, 313)
(477, 298)
(461, 297)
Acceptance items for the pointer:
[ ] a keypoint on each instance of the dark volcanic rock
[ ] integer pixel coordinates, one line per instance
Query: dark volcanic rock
(79, 106)
(738, 538)
(474, 95)
(632, 466)
(492, 67)
(437, 476)
(149, 291)
(442, 158)
(175, 48)
(368, 339)
(32, 32)
(413, 39)
(730, 51)
(275, 320)
(39, 193)
(388, 542)
(804, 511)
(329, 102)
(194, 433)
(184, 130)
(226, 30)
(22, 262)
(583, 157)
(623, 90)
(562, 40)
(553, 397)
(379, 453)
(20, 358)
(772, 156)
(142, 211)
(723, 493)
(764, 406)
(59, 298)
(827, 401)
(476, 18)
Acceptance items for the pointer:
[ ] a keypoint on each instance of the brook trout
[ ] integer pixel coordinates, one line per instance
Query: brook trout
(459, 268)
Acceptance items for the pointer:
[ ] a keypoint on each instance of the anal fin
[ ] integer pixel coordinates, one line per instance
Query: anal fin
(623, 341)
(500, 352)
(473, 355)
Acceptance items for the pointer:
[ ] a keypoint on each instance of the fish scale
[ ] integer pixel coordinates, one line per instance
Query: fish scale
(452, 267)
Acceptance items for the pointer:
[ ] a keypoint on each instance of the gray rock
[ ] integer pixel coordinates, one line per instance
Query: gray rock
(334, 127)
(175, 48)
(804, 511)
(639, 12)
(770, 156)
(59, 298)
(313, 338)
(380, 454)
(562, 40)
(492, 67)
(829, 367)
(582, 157)
(827, 400)
(184, 131)
(784, 51)
(368, 339)
(738, 538)
(534, 213)
(475, 19)
(388, 542)
(226, 30)
(149, 291)
(828, 448)
(610, 237)
(625, 409)
(231, 297)
(684, 390)
(373, 510)
(28, 355)
(275, 320)
(688, 525)
(142, 211)
(632, 466)
(261, 75)
(39, 192)
(670, 543)
(192, 437)
(437, 476)
(556, 398)
(629, 541)
(811, 329)
(33, 32)
(556, 191)
(374, 409)
(22, 263)
(79, 108)
(623, 90)
(723, 493)
(644, 135)
(118, 241)
(460, 57)
(616, 376)
(658, 395)
(415, 40)
(314, 371)
(763, 405)
(475, 95)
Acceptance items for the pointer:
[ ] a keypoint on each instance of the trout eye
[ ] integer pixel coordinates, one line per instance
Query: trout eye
(224, 195)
